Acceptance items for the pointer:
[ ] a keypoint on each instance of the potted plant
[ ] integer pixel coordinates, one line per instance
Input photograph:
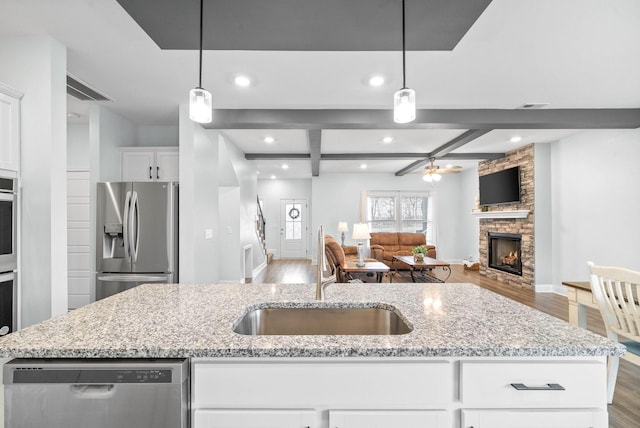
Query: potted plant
(419, 252)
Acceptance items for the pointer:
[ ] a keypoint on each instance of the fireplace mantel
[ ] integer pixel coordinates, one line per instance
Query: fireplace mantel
(501, 214)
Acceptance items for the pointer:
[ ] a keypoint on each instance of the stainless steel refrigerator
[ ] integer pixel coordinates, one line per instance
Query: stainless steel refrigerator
(136, 235)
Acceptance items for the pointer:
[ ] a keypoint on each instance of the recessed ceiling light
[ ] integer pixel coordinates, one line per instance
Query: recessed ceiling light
(387, 140)
(258, 172)
(516, 139)
(285, 166)
(72, 115)
(273, 177)
(269, 139)
(363, 166)
(242, 81)
(376, 80)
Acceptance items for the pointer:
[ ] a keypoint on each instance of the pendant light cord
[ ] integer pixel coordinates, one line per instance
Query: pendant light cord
(404, 77)
(201, 25)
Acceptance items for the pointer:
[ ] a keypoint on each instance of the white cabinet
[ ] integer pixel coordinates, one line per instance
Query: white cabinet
(428, 392)
(534, 418)
(389, 418)
(150, 164)
(9, 128)
(255, 419)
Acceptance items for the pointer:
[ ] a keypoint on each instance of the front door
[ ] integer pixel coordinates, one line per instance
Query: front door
(293, 229)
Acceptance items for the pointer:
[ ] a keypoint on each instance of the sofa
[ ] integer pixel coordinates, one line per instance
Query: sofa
(385, 245)
(337, 256)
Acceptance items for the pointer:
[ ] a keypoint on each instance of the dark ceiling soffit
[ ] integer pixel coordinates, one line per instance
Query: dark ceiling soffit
(370, 156)
(306, 25)
(478, 119)
(315, 147)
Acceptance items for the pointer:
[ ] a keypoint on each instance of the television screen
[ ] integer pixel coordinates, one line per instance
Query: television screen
(502, 187)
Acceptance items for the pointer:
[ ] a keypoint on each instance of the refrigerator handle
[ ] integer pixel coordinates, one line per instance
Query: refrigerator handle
(125, 228)
(134, 226)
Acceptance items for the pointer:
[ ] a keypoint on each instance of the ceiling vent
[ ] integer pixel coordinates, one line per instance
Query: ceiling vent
(533, 106)
(79, 90)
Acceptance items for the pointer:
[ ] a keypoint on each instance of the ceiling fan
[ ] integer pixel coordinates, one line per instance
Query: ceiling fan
(434, 172)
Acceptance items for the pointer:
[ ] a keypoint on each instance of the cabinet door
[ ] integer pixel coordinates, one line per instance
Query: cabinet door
(239, 418)
(167, 166)
(9, 133)
(389, 418)
(138, 166)
(561, 418)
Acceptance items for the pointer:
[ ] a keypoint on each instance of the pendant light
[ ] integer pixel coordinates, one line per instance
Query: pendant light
(200, 102)
(404, 100)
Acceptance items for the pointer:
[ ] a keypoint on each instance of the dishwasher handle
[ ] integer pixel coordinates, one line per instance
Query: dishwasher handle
(93, 390)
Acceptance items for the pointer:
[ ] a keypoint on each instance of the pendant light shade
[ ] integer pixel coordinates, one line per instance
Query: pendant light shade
(200, 105)
(200, 100)
(404, 100)
(404, 106)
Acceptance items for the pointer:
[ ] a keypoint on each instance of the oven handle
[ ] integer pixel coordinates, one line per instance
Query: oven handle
(8, 276)
(7, 196)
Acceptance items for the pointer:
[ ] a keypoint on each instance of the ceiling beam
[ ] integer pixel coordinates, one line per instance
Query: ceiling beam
(315, 147)
(276, 156)
(445, 149)
(479, 119)
(459, 141)
(370, 156)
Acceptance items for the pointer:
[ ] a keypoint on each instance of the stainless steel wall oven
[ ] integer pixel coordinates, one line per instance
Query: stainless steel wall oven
(8, 213)
(8, 254)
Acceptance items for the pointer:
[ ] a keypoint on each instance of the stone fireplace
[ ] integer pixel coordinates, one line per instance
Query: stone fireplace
(504, 252)
(513, 262)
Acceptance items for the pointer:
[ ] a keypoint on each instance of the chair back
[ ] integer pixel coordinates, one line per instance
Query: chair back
(616, 290)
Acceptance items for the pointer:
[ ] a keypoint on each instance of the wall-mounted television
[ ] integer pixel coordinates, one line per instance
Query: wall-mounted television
(502, 187)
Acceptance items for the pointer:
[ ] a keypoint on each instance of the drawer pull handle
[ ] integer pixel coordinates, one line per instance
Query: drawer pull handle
(548, 387)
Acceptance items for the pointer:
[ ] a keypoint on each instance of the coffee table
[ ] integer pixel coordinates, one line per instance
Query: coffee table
(378, 268)
(423, 268)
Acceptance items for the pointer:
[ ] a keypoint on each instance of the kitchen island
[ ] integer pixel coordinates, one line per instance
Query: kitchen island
(472, 357)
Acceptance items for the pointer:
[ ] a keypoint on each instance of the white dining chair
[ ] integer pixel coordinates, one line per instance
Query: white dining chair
(616, 290)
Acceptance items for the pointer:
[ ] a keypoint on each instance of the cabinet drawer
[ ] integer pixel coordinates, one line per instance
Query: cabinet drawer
(491, 384)
(561, 418)
(361, 385)
(254, 418)
(389, 418)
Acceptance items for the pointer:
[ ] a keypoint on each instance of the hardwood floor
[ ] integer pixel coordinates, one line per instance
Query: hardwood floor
(625, 410)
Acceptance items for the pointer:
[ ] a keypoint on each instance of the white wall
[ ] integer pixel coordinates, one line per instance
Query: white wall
(336, 197)
(271, 192)
(543, 252)
(157, 135)
(245, 210)
(199, 209)
(36, 66)
(468, 226)
(78, 147)
(595, 202)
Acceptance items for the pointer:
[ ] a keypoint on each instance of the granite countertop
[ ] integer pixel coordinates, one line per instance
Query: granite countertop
(181, 320)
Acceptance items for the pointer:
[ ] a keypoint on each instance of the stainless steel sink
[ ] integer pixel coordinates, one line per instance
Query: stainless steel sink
(321, 320)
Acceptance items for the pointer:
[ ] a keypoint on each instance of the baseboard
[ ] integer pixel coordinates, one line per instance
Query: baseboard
(543, 288)
(259, 269)
(551, 288)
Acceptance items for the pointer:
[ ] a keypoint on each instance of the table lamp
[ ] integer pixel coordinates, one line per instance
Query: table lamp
(360, 233)
(343, 227)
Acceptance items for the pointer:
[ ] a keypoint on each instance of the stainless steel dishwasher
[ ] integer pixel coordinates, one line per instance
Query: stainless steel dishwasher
(65, 393)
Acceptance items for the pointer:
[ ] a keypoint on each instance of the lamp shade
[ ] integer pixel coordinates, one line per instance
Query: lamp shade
(360, 231)
(343, 226)
(200, 105)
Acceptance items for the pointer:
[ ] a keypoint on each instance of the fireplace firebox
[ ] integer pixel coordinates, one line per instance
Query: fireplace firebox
(505, 252)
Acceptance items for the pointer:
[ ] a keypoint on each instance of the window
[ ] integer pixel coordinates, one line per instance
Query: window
(400, 212)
